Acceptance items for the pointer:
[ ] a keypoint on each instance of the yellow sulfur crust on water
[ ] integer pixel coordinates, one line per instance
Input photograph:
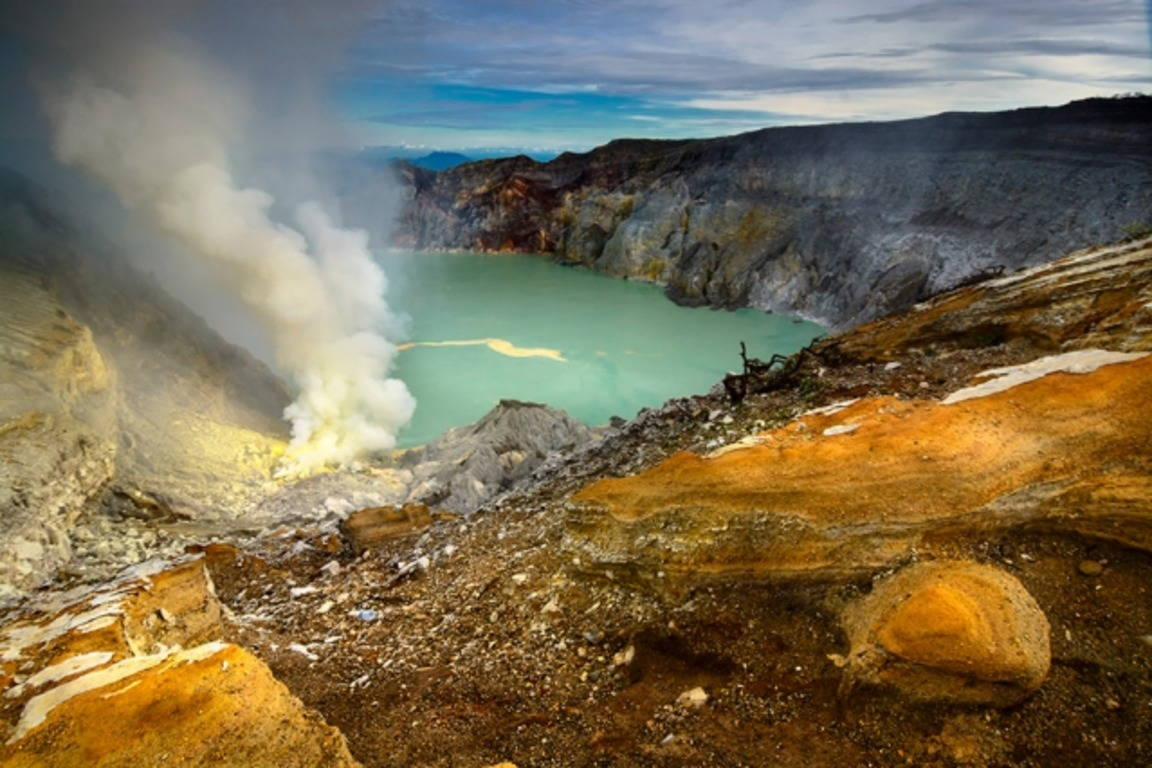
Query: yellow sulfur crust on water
(501, 346)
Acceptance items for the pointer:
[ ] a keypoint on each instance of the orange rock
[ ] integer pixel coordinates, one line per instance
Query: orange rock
(212, 705)
(836, 493)
(1100, 297)
(956, 631)
(147, 608)
(369, 527)
(97, 678)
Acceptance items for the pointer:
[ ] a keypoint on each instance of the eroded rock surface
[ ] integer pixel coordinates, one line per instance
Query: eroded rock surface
(1099, 297)
(135, 674)
(855, 488)
(56, 457)
(468, 465)
(838, 223)
(952, 631)
(1059, 442)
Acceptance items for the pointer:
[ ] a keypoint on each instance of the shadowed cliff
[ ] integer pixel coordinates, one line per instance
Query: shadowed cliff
(838, 223)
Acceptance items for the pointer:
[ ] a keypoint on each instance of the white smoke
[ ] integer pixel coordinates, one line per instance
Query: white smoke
(157, 133)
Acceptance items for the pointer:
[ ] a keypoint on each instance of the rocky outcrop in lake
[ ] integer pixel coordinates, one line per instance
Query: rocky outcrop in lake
(837, 223)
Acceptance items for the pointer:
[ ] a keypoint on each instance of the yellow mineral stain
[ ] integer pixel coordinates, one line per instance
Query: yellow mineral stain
(502, 346)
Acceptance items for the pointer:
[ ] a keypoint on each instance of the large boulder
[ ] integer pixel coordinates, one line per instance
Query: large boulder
(134, 673)
(952, 631)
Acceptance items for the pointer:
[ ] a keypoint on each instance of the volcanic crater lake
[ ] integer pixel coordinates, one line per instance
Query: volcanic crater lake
(490, 326)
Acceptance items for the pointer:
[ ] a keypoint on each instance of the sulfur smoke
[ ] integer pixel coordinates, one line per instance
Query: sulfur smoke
(155, 126)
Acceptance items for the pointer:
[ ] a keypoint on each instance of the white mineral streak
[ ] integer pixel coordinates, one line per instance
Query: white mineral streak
(1080, 361)
(38, 707)
(73, 665)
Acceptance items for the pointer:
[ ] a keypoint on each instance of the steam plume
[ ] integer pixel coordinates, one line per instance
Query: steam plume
(155, 128)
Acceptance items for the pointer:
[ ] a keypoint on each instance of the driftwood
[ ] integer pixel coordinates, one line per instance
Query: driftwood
(779, 372)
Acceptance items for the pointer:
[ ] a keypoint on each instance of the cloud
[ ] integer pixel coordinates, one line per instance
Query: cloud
(675, 59)
(1042, 13)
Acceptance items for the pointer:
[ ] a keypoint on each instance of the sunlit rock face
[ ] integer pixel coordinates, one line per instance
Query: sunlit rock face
(114, 398)
(950, 631)
(836, 494)
(134, 673)
(1099, 297)
(57, 451)
(1060, 443)
(838, 223)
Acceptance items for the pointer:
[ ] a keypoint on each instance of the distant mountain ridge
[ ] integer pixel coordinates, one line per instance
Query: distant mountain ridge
(838, 223)
(440, 161)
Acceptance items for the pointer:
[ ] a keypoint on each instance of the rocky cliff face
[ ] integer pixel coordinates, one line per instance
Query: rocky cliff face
(837, 223)
(57, 404)
(116, 401)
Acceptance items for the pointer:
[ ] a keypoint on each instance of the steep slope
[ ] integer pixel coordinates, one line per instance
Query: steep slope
(837, 223)
(115, 397)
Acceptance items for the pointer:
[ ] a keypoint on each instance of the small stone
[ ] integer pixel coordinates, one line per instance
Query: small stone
(891, 366)
(519, 578)
(1111, 703)
(367, 615)
(327, 606)
(1090, 568)
(303, 651)
(693, 699)
(331, 568)
(624, 657)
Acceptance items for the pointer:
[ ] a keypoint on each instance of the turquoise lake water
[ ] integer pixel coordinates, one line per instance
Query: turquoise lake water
(595, 346)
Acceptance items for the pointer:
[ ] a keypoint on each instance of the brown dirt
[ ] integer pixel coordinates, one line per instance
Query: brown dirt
(508, 648)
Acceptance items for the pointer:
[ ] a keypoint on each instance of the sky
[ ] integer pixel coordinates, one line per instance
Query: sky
(571, 74)
(491, 77)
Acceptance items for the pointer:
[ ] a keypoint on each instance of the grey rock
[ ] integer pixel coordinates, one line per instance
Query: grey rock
(467, 466)
(836, 223)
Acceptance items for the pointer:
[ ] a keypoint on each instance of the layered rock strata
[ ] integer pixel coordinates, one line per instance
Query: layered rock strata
(837, 223)
(57, 454)
(135, 674)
